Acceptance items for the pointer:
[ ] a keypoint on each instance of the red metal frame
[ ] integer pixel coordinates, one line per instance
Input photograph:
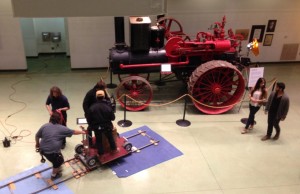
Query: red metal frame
(122, 66)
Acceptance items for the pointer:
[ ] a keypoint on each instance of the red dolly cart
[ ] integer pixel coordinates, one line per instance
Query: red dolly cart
(89, 155)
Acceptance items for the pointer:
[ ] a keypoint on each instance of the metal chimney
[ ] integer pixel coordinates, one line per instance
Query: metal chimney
(119, 33)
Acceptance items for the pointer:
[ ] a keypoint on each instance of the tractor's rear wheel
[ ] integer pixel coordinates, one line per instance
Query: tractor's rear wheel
(216, 87)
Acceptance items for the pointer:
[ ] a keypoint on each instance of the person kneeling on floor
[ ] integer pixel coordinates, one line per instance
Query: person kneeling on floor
(49, 140)
(100, 117)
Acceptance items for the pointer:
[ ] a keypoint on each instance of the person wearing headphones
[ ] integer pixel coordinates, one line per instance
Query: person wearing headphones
(100, 117)
(89, 99)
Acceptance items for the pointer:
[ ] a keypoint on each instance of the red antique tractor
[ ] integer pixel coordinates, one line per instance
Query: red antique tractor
(209, 64)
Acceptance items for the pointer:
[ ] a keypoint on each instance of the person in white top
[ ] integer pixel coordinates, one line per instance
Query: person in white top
(258, 95)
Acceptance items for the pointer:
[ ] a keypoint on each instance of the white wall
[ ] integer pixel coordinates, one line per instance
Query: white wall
(29, 37)
(198, 15)
(86, 8)
(67, 42)
(12, 54)
(90, 38)
(50, 25)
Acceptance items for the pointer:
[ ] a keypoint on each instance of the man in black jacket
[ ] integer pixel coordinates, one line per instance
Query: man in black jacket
(89, 99)
(100, 116)
(277, 108)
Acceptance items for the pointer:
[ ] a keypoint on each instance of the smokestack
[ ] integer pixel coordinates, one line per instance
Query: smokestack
(119, 33)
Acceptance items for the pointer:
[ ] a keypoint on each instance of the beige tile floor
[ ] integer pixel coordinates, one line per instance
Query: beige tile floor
(217, 158)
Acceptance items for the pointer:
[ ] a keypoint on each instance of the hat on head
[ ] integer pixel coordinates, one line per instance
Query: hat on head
(100, 93)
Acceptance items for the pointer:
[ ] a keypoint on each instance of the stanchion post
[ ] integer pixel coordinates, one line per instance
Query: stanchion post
(246, 88)
(183, 122)
(160, 82)
(111, 85)
(124, 122)
(274, 85)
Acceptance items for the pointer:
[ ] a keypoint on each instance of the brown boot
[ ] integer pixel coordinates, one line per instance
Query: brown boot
(265, 138)
(276, 136)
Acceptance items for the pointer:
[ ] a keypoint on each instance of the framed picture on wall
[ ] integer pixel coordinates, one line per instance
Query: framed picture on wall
(243, 32)
(271, 25)
(268, 40)
(257, 31)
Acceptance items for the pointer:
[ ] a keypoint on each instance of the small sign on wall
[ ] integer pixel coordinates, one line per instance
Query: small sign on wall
(254, 75)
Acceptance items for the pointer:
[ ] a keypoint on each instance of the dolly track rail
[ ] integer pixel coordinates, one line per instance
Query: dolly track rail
(25, 177)
(75, 174)
(51, 185)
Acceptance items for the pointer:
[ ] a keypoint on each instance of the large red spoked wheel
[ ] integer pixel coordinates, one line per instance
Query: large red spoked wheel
(139, 93)
(172, 30)
(143, 75)
(217, 86)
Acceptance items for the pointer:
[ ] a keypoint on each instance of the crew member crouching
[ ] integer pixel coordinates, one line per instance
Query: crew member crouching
(49, 140)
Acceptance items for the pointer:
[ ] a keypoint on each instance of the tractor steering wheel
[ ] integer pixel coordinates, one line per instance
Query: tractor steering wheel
(172, 31)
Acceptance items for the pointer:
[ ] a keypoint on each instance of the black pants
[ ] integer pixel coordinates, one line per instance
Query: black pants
(253, 111)
(99, 143)
(273, 122)
(90, 136)
(56, 159)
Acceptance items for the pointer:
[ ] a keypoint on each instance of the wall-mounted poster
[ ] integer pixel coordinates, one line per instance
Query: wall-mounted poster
(254, 75)
(268, 40)
(271, 25)
(257, 32)
(243, 32)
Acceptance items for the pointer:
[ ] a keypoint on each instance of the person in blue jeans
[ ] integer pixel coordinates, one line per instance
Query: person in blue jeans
(258, 95)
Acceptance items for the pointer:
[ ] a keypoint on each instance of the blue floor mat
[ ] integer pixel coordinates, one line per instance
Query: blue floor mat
(32, 184)
(148, 157)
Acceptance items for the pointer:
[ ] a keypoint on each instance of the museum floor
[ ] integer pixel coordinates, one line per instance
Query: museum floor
(217, 158)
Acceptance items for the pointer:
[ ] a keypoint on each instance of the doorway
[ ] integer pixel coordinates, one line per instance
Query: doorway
(46, 43)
